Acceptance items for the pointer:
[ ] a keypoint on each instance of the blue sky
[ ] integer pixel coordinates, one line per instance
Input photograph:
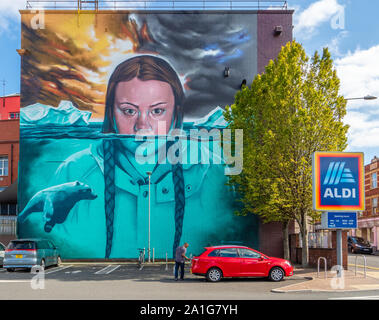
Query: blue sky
(347, 27)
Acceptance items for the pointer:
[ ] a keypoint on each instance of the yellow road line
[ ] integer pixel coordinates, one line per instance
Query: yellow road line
(361, 266)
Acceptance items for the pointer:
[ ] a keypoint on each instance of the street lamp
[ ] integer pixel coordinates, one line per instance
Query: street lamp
(149, 175)
(339, 231)
(367, 97)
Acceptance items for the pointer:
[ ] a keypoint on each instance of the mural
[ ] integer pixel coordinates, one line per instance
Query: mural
(112, 105)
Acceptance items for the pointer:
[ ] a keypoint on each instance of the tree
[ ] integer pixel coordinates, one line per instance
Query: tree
(290, 111)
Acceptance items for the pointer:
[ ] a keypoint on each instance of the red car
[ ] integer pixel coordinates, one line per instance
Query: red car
(238, 261)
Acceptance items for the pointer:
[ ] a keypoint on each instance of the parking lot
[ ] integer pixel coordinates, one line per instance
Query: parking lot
(126, 281)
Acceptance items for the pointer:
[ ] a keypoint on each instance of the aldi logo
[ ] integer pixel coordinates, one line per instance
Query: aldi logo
(337, 173)
(338, 182)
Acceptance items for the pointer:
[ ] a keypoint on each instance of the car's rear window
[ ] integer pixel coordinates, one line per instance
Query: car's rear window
(214, 253)
(360, 241)
(21, 245)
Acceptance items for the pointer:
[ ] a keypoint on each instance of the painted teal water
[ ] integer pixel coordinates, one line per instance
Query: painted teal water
(62, 195)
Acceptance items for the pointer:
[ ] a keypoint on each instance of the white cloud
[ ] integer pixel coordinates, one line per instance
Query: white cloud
(363, 133)
(9, 12)
(334, 44)
(316, 14)
(359, 75)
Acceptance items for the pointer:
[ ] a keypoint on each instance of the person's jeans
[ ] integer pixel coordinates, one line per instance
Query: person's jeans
(177, 265)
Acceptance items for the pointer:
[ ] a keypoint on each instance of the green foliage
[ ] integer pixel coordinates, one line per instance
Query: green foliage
(290, 111)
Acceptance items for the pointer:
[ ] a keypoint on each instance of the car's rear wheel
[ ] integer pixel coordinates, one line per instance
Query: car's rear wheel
(214, 274)
(276, 274)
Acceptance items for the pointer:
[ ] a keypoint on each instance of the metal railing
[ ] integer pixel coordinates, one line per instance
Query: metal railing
(8, 225)
(364, 266)
(325, 267)
(156, 5)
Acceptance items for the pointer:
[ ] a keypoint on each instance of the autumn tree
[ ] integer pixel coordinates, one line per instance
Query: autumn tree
(290, 111)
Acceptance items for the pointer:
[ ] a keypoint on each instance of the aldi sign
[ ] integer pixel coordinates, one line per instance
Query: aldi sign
(338, 181)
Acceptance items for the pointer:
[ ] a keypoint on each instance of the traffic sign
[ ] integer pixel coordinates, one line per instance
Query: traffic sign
(339, 220)
(338, 181)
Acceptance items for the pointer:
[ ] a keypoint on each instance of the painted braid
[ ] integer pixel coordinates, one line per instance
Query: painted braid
(109, 191)
(178, 180)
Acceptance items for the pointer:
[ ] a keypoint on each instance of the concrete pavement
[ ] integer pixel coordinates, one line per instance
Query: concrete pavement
(349, 282)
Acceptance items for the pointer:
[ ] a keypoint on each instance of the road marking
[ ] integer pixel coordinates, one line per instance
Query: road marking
(357, 298)
(57, 269)
(8, 281)
(360, 266)
(108, 269)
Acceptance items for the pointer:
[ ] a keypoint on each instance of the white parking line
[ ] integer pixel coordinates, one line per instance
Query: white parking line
(57, 269)
(108, 269)
(8, 281)
(357, 298)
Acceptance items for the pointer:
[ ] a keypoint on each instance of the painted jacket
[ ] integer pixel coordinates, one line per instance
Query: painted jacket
(208, 214)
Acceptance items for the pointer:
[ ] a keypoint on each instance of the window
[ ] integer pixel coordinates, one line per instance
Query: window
(374, 205)
(214, 253)
(246, 253)
(229, 253)
(374, 180)
(3, 165)
(21, 245)
(14, 115)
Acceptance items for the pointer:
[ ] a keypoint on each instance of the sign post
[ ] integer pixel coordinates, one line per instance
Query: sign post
(338, 189)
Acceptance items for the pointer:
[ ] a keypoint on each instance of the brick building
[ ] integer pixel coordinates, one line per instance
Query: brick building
(10, 107)
(9, 156)
(368, 220)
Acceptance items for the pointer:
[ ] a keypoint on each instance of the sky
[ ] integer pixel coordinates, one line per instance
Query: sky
(347, 27)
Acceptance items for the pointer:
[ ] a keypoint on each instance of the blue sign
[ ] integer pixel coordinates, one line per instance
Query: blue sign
(338, 183)
(339, 220)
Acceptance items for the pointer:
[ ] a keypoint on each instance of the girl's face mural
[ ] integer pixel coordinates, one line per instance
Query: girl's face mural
(140, 105)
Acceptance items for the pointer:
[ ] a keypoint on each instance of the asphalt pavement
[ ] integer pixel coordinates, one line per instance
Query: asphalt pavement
(125, 281)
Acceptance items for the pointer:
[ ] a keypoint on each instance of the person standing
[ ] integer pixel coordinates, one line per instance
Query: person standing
(180, 258)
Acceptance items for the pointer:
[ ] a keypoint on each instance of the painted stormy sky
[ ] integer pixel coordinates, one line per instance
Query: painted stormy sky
(200, 46)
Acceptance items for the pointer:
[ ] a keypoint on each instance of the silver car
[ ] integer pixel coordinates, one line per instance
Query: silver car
(26, 253)
(2, 252)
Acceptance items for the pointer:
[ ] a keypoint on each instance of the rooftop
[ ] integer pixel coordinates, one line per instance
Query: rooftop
(181, 5)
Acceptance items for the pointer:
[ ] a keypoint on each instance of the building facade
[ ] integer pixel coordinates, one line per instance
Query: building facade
(368, 220)
(85, 81)
(10, 107)
(9, 158)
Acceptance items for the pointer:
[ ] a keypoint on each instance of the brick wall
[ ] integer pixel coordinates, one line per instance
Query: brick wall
(9, 146)
(270, 45)
(271, 239)
(315, 253)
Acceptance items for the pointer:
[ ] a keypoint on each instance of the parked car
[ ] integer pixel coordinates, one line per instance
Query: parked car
(220, 262)
(26, 253)
(358, 244)
(2, 252)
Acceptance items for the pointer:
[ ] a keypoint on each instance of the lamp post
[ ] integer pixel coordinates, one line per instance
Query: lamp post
(149, 175)
(339, 231)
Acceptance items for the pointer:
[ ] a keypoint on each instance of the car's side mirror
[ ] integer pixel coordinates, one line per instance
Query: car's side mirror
(260, 258)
